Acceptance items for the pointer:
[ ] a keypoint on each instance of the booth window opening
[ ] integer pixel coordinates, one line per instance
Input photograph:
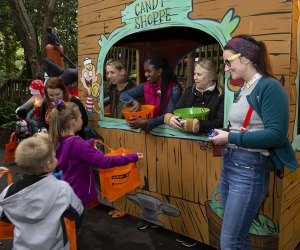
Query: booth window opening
(184, 67)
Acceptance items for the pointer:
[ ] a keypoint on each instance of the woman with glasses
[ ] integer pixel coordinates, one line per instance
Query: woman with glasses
(206, 92)
(256, 137)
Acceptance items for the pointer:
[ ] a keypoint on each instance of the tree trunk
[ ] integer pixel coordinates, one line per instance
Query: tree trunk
(28, 35)
(48, 21)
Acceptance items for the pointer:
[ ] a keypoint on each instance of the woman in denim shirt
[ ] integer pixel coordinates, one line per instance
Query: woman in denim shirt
(161, 90)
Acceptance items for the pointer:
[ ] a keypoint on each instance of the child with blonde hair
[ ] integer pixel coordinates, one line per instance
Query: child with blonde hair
(37, 202)
(76, 156)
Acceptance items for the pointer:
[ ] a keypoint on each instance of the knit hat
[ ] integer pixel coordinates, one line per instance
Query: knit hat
(22, 113)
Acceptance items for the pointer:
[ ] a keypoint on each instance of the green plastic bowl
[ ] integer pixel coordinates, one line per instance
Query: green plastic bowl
(199, 113)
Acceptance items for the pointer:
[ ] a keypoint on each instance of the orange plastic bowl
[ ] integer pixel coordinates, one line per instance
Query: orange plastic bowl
(147, 111)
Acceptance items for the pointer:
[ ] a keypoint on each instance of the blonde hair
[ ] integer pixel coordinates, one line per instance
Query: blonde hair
(33, 154)
(118, 65)
(209, 68)
(60, 119)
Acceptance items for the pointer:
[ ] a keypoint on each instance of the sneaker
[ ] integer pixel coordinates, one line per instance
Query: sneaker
(111, 212)
(180, 240)
(118, 214)
(142, 225)
(189, 243)
(153, 226)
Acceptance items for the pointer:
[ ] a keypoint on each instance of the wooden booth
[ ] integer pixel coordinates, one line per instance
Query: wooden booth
(179, 169)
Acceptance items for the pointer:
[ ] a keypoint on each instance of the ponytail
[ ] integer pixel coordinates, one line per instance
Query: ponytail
(60, 118)
(265, 65)
(55, 129)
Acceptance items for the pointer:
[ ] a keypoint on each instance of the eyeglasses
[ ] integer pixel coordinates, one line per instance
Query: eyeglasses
(227, 61)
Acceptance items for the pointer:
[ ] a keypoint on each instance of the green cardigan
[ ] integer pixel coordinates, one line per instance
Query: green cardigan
(269, 100)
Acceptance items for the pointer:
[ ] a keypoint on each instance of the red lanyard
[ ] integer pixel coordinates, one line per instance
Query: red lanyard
(247, 119)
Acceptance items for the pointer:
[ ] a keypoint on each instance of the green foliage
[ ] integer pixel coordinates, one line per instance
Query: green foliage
(65, 26)
(13, 61)
(8, 116)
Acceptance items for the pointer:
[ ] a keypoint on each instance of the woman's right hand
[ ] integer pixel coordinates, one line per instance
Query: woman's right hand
(175, 123)
(136, 106)
(221, 138)
(140, 155)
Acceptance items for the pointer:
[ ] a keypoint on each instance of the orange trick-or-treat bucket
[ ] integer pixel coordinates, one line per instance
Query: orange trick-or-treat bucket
(146, 112)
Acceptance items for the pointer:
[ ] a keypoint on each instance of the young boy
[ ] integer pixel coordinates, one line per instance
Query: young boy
(37, 203)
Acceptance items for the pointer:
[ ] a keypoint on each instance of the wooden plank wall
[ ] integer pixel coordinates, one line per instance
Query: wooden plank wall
(291, 201)
(267, 21)
(178, 171)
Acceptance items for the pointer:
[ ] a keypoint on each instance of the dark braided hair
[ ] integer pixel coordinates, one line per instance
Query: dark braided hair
(168, 76)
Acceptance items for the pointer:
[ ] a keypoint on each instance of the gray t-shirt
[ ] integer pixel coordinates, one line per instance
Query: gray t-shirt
(239, 109)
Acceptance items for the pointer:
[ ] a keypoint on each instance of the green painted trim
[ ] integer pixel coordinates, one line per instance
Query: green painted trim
(167, 131)
(107, 122)
(167, 13)
(163, 130)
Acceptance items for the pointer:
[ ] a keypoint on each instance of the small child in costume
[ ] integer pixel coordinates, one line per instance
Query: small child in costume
(76, 156)
(37, 203)
(22, 129)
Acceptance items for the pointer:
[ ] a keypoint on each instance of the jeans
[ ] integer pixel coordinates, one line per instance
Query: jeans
(244, 183)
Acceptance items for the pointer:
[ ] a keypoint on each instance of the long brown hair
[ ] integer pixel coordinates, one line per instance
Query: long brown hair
(56, 83)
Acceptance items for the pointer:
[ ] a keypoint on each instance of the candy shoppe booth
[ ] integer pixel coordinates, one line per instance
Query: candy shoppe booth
(179, 171)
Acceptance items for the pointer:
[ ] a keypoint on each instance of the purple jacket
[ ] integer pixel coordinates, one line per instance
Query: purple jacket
(76, 156)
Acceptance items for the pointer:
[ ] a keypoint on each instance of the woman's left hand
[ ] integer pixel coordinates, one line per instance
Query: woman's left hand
(136, 106)
(136, 122)
(221, 138)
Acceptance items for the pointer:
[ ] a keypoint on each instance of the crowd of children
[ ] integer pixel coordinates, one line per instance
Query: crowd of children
(62, 120)
(39, 201)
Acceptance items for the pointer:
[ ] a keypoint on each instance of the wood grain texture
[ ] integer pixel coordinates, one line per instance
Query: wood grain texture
(181, 172)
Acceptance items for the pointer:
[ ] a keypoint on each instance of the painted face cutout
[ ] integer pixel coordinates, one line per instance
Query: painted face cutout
(88, 77)
(153, 75)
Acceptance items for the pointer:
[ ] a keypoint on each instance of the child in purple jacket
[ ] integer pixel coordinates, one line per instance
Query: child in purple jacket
(75, 155)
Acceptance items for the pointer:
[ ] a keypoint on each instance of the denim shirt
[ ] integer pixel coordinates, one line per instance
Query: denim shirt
(137, 92)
